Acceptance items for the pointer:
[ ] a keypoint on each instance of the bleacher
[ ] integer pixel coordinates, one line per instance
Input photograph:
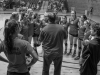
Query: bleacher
(32, 1)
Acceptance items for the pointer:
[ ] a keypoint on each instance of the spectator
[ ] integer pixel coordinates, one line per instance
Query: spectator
(91, 53)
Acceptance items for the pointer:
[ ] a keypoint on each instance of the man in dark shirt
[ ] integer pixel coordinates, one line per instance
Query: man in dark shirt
(91, 53)
(52, 37)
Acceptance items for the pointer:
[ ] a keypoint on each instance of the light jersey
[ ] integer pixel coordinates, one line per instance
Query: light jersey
(17, 60)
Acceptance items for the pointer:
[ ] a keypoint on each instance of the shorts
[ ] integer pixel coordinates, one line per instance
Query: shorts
(74, 35)
(35, 35)
(15, 73)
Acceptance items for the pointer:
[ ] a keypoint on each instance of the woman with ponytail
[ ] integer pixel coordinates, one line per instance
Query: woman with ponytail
(15, 50)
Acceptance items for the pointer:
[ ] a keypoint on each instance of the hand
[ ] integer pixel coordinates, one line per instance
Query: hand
(72, 22)
(86, 42)
(28, 60)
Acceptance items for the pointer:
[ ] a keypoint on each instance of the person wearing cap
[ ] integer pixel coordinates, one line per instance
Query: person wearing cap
(52, 37)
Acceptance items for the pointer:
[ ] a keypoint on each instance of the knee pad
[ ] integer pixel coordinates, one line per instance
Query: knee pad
(28, 55)
(71, 44)
(35, 45)
(75, 45)
(65, 44)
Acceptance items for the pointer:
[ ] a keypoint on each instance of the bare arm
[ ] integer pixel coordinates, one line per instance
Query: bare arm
(33, 53)
(3, 59)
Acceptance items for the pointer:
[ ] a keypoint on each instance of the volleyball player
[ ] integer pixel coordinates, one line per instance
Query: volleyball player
(65, 25)
(73, 32)
(36, 30)
(15, 50)
(81, 32)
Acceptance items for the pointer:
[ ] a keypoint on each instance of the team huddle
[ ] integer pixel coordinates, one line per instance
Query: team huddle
(51, 31)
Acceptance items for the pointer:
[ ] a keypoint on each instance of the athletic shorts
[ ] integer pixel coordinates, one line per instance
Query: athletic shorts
(80, 38)
(35, 35)
(74, 35)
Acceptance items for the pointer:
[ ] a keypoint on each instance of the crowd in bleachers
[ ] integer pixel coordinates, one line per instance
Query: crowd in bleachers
(8, 4)
(56, 5)
(32, 6)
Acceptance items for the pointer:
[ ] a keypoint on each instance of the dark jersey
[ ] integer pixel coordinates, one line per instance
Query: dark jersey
(36, 27)
(81, 32)
(24, 31)
(73, 24)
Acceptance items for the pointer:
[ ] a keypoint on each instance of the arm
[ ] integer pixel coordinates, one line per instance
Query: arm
(65, 34)
(41, 36)
(79, 23)
(3, 59)
(33, 53)
(1, 50)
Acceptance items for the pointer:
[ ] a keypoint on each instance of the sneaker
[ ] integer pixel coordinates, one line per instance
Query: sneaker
(69, 53)
(74, 54)
(77, 58)
(65, 52)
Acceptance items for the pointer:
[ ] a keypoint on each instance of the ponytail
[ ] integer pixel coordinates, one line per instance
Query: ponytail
(9, 31)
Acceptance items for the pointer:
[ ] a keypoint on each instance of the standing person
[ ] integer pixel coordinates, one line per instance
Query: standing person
(24, 26)
(36, 30)
(73, 32)
(91, 54)
(45, 20)
(15, 16)
(52, 37)
(87, 31)
(58, 19)
(81, 32)
(15, 50)
(65, 25)
(30, 23)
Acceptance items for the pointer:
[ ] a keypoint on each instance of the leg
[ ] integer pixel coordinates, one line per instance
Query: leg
(79, 49)
(30, 39)
(66, 43)
(65, 47)
(75, 46)
(46, 65)
(57, 65)
(71, 44)
(35, 44)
